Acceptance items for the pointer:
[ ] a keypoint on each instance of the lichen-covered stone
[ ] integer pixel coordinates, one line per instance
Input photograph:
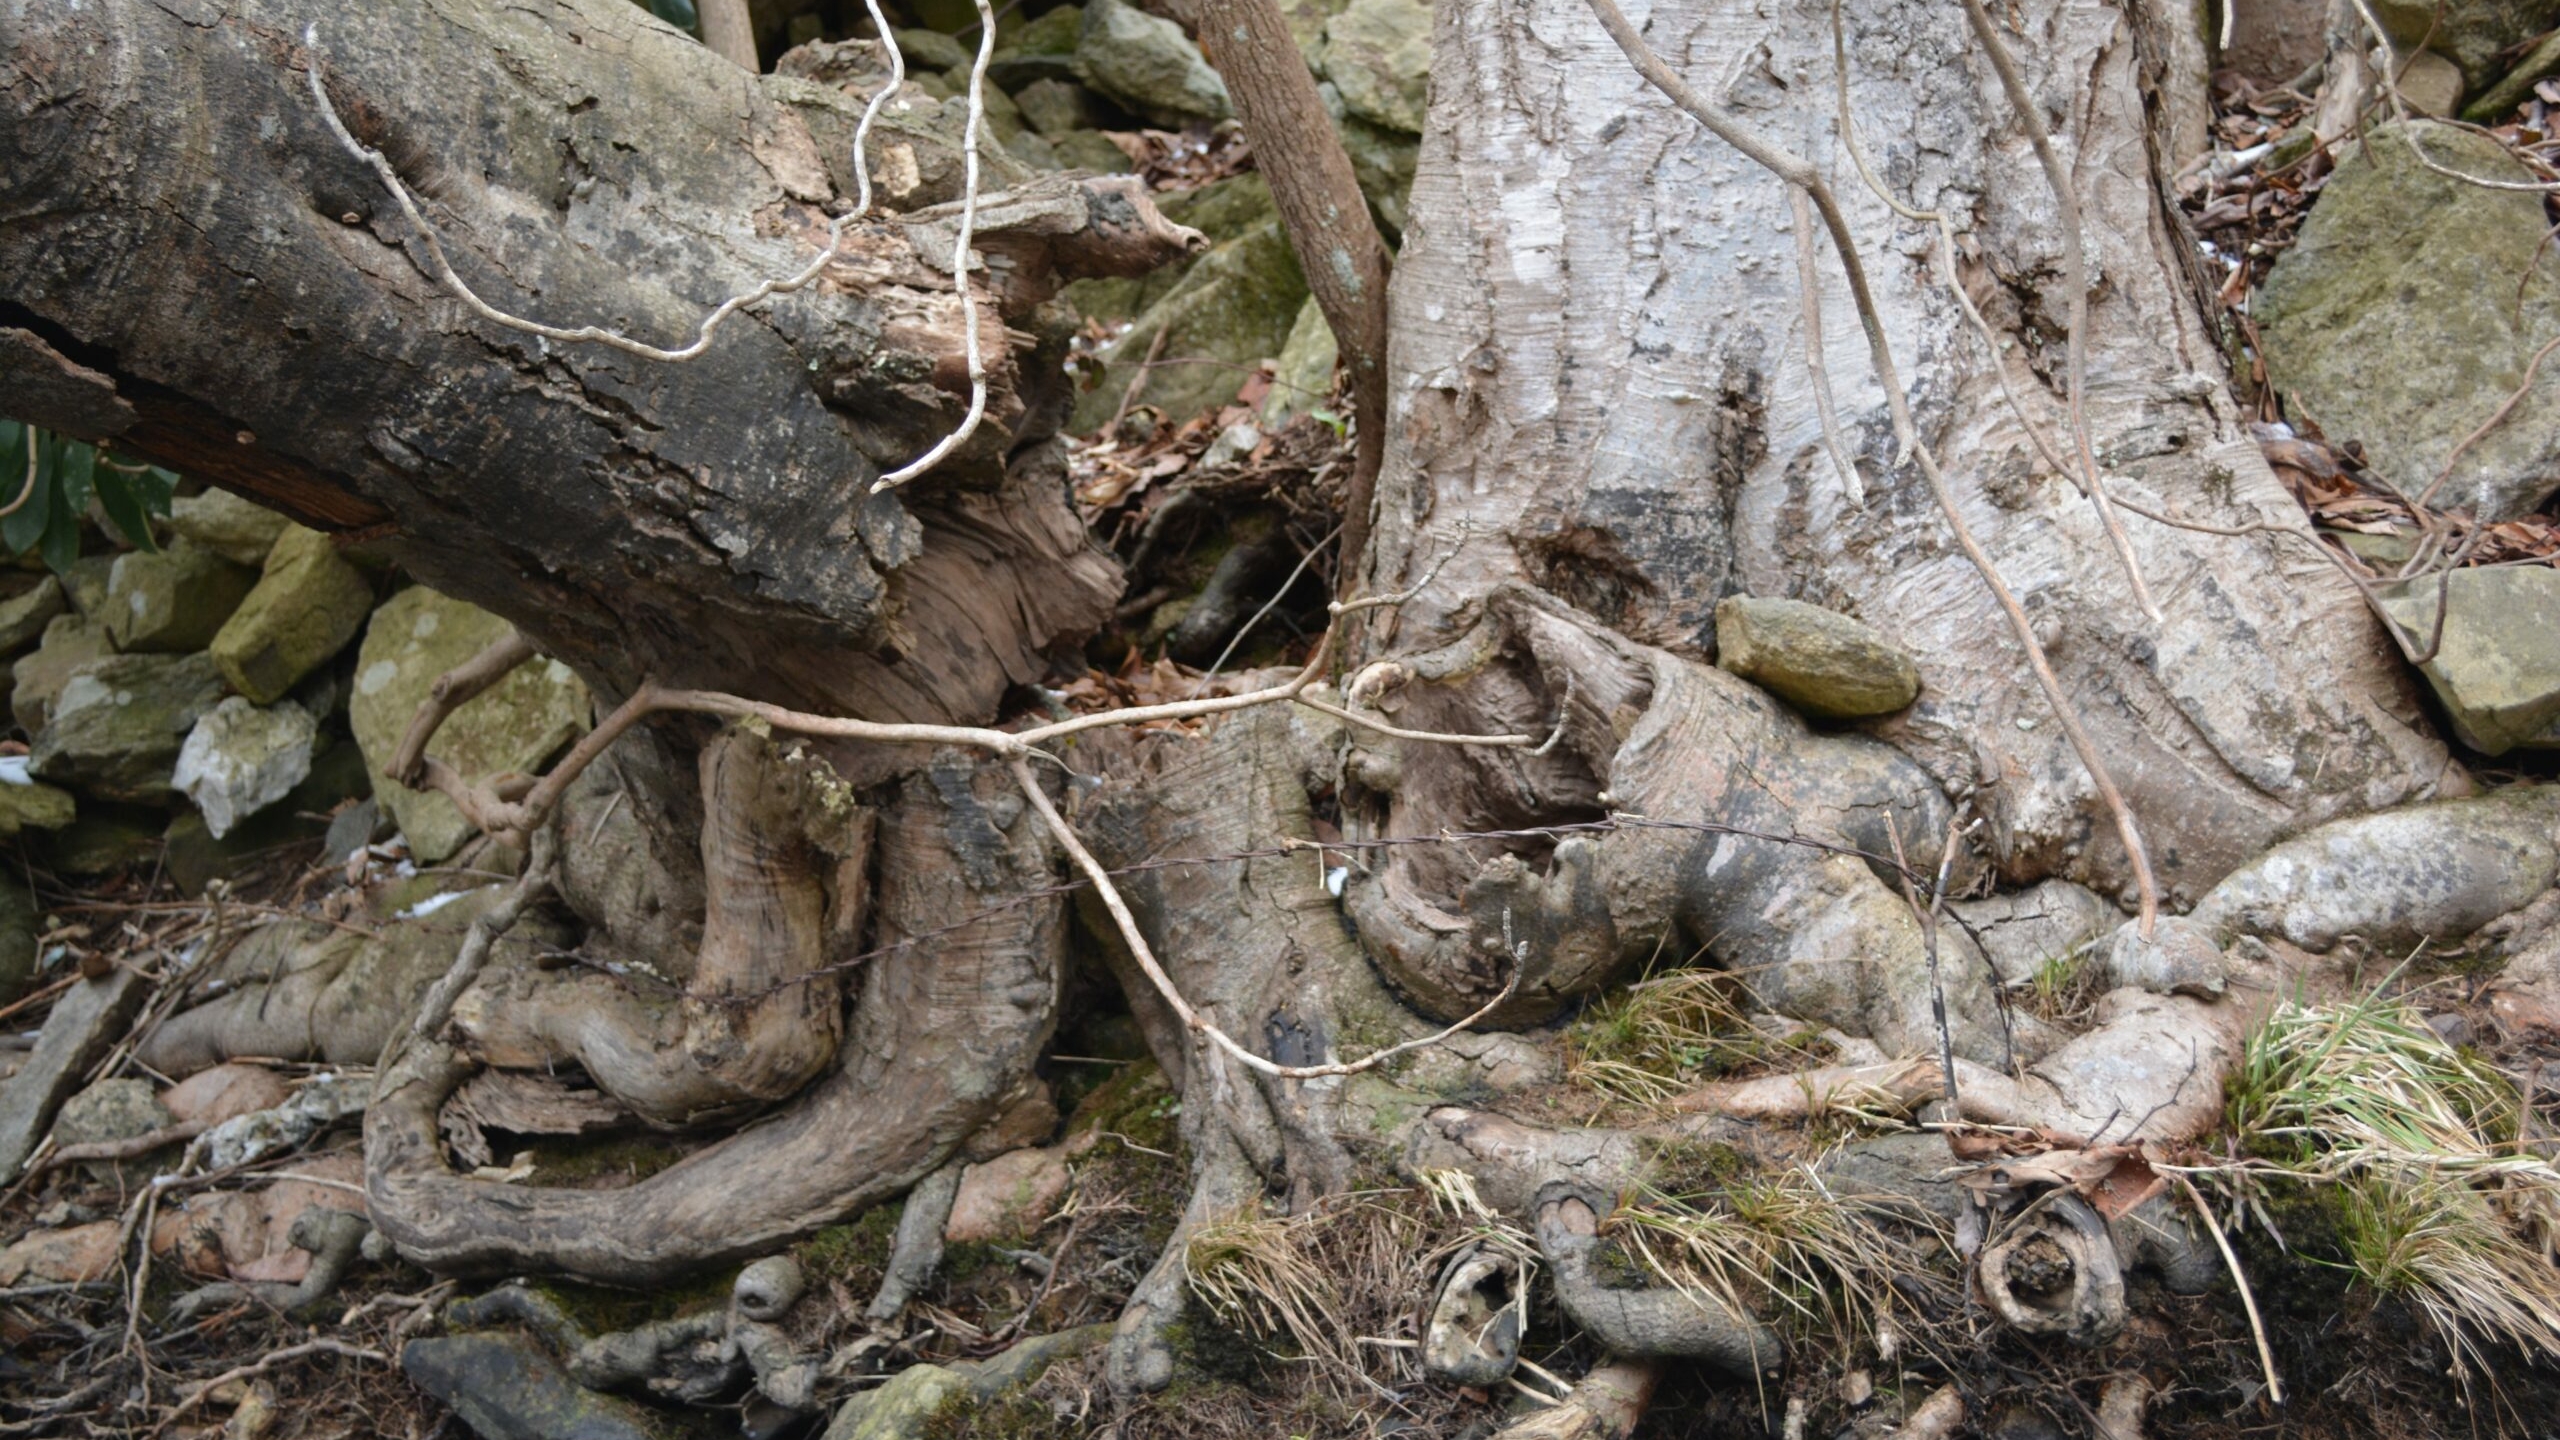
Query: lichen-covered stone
(33, 806)
(2407, 311)
(110, 1110)
(70, 641)
(1088, 150)
(1055, 107)
(1303, 380)
(931, 50)
(1043, 49)
(2497, 669)
(2473, 34)
(85, 584)
(505, 1386)
(24, 616)
(1233, 309)
(241, 758)
(117, 726)
(174, 601)
(240, 531)
(1819, 661)
(1382, 160)
(1146, 63)
(416, 636)
(1377, 53)
(304, 609)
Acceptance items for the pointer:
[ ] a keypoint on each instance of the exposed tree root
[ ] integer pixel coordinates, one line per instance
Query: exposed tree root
(1649, 1320)
(943, 1034)
(1606, 1404)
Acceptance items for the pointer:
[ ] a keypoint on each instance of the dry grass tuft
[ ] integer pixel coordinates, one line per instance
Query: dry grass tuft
(1664, 1034)
(1782, 1243)
(2440, 1206)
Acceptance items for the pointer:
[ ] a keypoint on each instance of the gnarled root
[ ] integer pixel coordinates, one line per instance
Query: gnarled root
(1653, 1321)
(1714, 786)
(945, 1027)
(785, 862)
(1605, 1405)
(2052, 1269)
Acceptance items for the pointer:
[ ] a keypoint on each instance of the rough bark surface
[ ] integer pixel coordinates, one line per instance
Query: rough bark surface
(1600, 391)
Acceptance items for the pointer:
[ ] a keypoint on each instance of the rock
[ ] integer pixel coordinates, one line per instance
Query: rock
(247, 1234)
(2431, 84)
(172, 602)
(106, 838)
(195, 857)
(1228, 209)
(110, 1110)
(1007, 1197)
(353, 828)
(2397, 878)
(1382, 160)
(90, 1017)
(70, 641)
(1146, 63)
(2497, 668)
(23, 617)
(2498, 100)
(1085, 150)
(1055, 107)
(2273, 41)
(507, 1387)
(2472, 34)
(1303, 380)
(304, 609)
(2022, 931)
(240, 531)
(1044, 49)
(85, 584)
(417, 636)
(119, 722)
(1377, 53)
(2180, 958)
(899, 1409)
(224, 1092)
(241, 758)
(1819, 661)
(63, 1257)
(20, 919)
(2395, 319)
(932, 50)
(1235, 306)
(33, 806)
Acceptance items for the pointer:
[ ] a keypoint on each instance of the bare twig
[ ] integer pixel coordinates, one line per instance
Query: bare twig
(1810, 280)
(269, 1361)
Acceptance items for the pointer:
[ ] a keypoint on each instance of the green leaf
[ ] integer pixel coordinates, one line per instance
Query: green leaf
(23, 527)
(75, 468)
(123, 500)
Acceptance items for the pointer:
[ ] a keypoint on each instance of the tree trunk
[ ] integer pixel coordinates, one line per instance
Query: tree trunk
(1601, 424)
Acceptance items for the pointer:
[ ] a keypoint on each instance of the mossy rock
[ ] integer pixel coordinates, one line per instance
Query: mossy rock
(1228, 313)
(306, 606)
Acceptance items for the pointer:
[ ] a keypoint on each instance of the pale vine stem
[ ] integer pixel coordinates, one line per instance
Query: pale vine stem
(1797, 172)
(442, 267)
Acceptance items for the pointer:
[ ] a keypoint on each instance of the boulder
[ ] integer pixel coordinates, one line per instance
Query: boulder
(505, 1386)
(518, 723)
(107, 1111)
(2430, 84)
(1233, 309)
(1223, 210)
(241, 758)
(1303, 380)
(29, 805)
(194, 857)
(2395, 319)
(1086, 150)
(1146, 63)
(174, 601)
(24, 616)
(932, 50)
(1055, 107)
(85, 584)
(70, 641)
(1044, 49)
(1377, 53)
(306, 606)
(1819, 661)
(119, 722)
(2497, 669)
(240, 531)
(105, 838)
(2473, 34)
